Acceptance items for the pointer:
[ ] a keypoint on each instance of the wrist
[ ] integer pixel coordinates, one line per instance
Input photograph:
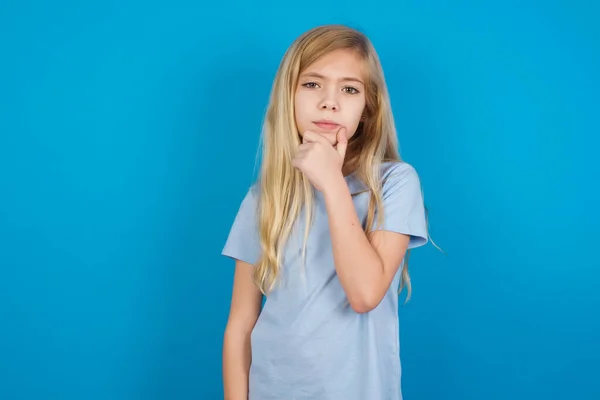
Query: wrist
(336, 188)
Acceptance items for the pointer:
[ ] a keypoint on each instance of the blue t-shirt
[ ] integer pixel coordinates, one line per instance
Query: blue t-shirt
(308, 343)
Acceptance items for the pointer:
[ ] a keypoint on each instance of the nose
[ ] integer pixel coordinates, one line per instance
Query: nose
(329, 102)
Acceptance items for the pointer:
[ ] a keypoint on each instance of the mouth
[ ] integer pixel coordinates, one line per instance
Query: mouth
(326, 124)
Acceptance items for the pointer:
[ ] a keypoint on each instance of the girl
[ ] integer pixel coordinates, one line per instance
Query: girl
(323, 234)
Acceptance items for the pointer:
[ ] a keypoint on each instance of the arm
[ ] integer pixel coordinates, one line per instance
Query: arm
(245, 307)
(365, 265)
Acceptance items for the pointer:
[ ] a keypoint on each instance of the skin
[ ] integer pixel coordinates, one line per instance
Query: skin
(332, 89)
(365, 265)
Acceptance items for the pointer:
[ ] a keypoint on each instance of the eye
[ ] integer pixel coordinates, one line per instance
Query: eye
(310, 85)
(351, 90)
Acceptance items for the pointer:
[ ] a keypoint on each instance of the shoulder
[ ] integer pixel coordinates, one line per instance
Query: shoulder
(394, 172)
(252, 192)
(250, 200)
(391, 174)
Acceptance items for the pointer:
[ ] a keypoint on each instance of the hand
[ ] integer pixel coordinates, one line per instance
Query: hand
(318, 160)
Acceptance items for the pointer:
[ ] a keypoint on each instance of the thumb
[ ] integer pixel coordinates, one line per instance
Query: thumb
(342, 143)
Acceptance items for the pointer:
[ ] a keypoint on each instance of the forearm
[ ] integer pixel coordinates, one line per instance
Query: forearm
(236, 364)
(358, 266)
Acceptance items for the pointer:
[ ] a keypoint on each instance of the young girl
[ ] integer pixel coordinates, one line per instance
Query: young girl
(323, 234)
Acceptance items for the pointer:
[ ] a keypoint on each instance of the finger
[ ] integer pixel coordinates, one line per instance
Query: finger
(342, 143)
(311, 137)
(298, 158)
(305, 147)
(315, 137)
(296, 163)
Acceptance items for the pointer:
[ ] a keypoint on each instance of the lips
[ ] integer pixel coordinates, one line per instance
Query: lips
(326, 124)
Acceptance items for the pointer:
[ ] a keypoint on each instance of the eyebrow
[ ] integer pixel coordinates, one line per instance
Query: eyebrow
(344, 79)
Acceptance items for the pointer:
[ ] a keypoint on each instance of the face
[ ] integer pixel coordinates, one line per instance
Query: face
(330, 95)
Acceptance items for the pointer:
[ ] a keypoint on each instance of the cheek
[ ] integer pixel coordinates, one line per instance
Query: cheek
(299, 111)
(302, 97)
(357, 111)
(355, 115)
(301, 105)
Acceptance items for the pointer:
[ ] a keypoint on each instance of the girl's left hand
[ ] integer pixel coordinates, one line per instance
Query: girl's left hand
(318, 160)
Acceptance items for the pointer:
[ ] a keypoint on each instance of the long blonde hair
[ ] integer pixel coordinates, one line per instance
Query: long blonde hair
(284, 191)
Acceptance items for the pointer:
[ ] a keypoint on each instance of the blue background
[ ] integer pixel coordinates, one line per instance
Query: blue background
(129, 133)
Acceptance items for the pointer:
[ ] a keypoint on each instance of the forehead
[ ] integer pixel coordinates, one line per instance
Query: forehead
(339, 63)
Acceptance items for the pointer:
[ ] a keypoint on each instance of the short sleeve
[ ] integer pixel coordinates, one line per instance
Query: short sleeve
(403, 206)
(243, 240)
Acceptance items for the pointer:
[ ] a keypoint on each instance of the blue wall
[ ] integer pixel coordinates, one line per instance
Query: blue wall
(128, 138)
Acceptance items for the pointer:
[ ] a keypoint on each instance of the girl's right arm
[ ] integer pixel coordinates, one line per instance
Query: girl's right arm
(245, 307)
